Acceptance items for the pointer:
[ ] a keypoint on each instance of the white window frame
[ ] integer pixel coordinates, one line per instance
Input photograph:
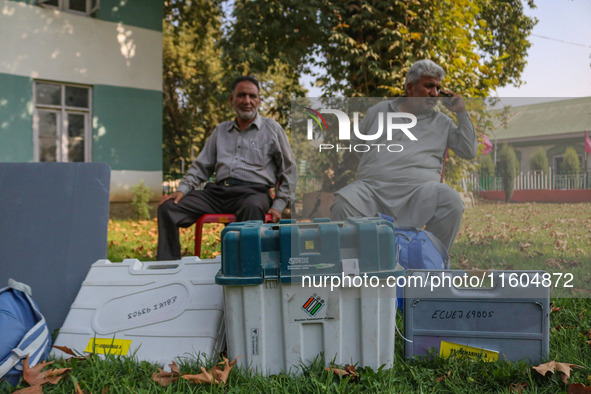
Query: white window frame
(92, 6)
(62, 118)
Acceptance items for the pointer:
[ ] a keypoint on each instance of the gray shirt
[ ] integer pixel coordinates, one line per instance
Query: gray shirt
(259, 154)
(405, 184)
(420, 160)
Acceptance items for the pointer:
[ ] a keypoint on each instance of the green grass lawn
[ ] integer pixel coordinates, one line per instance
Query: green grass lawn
(552, 237)
(129, 239)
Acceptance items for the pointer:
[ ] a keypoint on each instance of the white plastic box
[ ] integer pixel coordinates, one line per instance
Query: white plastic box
(276, 324)
(269, 327)
(157, 311)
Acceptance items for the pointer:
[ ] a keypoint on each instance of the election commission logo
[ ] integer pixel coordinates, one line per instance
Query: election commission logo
(313, 305)
(388, 123)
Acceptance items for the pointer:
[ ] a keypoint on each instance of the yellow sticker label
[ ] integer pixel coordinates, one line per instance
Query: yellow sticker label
(118, 347)
(309, 244)
(449, 349)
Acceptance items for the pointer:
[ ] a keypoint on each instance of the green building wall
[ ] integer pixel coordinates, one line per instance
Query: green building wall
(16, 118)
(126, 125)
(127, 128)
(140, 13)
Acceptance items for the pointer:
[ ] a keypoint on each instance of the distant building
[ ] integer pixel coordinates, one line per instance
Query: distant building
(81, 80)
(554, 126)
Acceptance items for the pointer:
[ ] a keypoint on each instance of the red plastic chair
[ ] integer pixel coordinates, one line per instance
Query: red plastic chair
(224, 218)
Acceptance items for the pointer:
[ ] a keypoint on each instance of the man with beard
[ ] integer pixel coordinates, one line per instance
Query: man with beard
(406, 184)
(248, 155)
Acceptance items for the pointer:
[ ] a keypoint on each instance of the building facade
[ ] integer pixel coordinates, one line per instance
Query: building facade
(81, 81)
(554, 126)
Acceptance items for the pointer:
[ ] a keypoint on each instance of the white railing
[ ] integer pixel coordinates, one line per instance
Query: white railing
(170, 185)
(532, 181)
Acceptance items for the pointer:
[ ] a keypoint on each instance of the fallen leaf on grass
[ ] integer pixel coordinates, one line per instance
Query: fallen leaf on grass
(553, 262)
(348, 371)
(581, 251)
(215, 376)
(78, 389)
(70, 352)
(464, 263)
(36, 378)
(223, 374)
(553, 366)
(53, 376)
(165, 378)
(558, 234)
(203, 377)
(524, 246)
(561, 244)
(578, 388)
(443, 377)
(555, 309)
(518, 387)
(66, 350)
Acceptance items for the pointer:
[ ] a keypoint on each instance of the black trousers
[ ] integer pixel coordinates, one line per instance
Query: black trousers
(249, 202)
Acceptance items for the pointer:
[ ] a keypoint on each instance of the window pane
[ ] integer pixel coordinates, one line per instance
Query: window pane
(76, 97)
(75, 149)
(47, 124)
(76, 137)
(49, 2)
(49, 94)
(78, 5)
(48, 149)
(75, 125)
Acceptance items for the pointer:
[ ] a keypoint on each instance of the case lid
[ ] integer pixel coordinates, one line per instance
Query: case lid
(253, 251)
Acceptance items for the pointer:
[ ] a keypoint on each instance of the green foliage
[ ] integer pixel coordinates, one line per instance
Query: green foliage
(194, 88)
(539, 161)
(354, 48)
(278, 89)
(365, 48)
(570, 162)
(197, 75)
(517, 165)
(506, 167)
(140, 201)
(487, 167)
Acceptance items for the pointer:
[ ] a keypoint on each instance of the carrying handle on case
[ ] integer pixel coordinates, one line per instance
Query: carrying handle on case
(137, 267)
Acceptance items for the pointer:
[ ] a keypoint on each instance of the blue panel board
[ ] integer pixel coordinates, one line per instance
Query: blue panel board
(53, 226)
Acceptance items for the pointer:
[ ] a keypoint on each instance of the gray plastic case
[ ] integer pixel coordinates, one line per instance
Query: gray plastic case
(513, 321)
